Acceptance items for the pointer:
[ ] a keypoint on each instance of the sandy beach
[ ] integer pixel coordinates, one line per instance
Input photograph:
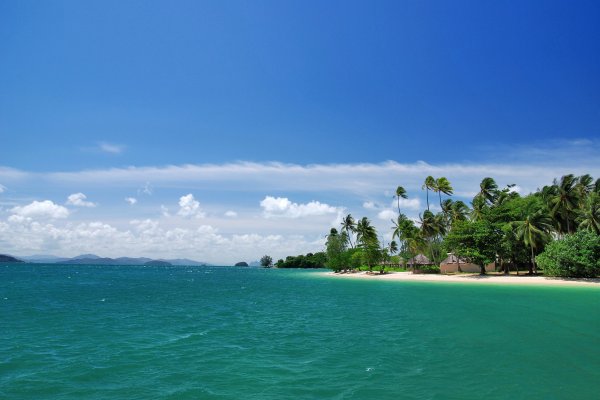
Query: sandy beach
(473, 278)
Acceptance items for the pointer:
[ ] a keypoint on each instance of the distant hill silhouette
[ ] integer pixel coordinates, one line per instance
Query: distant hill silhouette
(9, 259)
(241, 264)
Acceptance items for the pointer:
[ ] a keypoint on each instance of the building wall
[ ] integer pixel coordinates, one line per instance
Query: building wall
(465, 267)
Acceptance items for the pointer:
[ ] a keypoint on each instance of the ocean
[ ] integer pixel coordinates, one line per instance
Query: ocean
(122, 332)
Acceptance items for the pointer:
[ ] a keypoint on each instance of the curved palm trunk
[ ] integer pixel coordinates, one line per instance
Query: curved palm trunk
(427, 191)
(532, 267)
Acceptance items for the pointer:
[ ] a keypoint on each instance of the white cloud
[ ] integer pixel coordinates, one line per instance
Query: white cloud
(2, 188)
(111, 148)
(146, 189)
(274, 207)
(387, 214)
(131, 200)
(190, 207)
(78, 199)
(408, 204)
(369, 205)
(41, 209)
(164, 211)
(231, 214)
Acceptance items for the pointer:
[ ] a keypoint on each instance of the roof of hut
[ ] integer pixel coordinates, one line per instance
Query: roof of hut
(419, 259)
(452, 259)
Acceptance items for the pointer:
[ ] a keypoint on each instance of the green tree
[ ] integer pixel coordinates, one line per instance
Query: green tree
(337, 256)
(427, 186)
(400, 194)
(589, 218)
(576, 255)
(534, 230)
(476, 241)
(349, 227)
(563, 202)
(366, 237)
(488, 190)
(266, 261)
(442, 185)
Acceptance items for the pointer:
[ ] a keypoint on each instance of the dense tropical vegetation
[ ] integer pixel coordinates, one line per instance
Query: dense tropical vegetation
(310, 260)
(557, 226)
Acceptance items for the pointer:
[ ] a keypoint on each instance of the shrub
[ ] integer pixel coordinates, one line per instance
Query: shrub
(576, 255)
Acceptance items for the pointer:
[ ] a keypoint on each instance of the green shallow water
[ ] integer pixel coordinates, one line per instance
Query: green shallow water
(74, 332)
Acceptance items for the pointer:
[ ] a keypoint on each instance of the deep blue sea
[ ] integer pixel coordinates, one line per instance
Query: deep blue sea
(103, 332)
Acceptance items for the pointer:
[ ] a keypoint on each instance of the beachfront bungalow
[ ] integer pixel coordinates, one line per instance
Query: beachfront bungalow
(418, 261)
(451, 265)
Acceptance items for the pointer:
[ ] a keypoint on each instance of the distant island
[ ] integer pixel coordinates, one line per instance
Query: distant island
(97, 260)
(10, 259)
(241, 264)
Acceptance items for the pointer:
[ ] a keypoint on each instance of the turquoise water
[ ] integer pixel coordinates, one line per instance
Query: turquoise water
(75, 332)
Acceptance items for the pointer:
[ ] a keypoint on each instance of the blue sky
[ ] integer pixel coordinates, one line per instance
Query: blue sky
(327, 104)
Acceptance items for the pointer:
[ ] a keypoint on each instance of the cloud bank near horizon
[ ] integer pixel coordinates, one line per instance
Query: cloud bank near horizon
(267, 208)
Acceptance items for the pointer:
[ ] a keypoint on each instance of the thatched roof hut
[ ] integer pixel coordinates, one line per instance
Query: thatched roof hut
(419, 259)
(452, 259)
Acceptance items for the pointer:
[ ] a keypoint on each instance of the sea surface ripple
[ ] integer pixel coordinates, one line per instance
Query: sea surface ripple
(102, 332)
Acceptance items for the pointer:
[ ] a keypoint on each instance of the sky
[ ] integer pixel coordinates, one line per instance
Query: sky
(225, 130)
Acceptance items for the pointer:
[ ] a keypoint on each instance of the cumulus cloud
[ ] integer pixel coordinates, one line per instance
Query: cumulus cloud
(149, 238)
(131, 200)
(282, 207)
(41, 209)
(79, 200)
(408, 204)
(231, 214)
(369, 205)
(190, 207)
(111, 148)
(386, 215)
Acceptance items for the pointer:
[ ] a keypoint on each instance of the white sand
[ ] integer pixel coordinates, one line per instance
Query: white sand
(473, 278)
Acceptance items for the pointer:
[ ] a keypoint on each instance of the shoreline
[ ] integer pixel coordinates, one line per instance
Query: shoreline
(472, 278)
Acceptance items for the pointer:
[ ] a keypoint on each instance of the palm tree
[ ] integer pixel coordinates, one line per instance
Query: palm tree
(442, 185)
(533, 230)
(479, 207)
(564, 201)
(458, 212)
(349, 226)
(365, 232)
(400, 193)
(429, 184)
(590, 214)
(366, 238)
(428, 228)
(584, 186)
(393, 247)
(488, 189)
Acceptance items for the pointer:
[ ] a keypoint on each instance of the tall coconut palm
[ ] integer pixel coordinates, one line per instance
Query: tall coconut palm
(563, 202)
(583, 187)
(365, 232)
(488, 189)
(428, 229)
(442, 185)
(400, 193)
(534, 231)
(393, 247)
(590, 214)
(458, 212)
(428, 185)
(479, 207)
(349, 226)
